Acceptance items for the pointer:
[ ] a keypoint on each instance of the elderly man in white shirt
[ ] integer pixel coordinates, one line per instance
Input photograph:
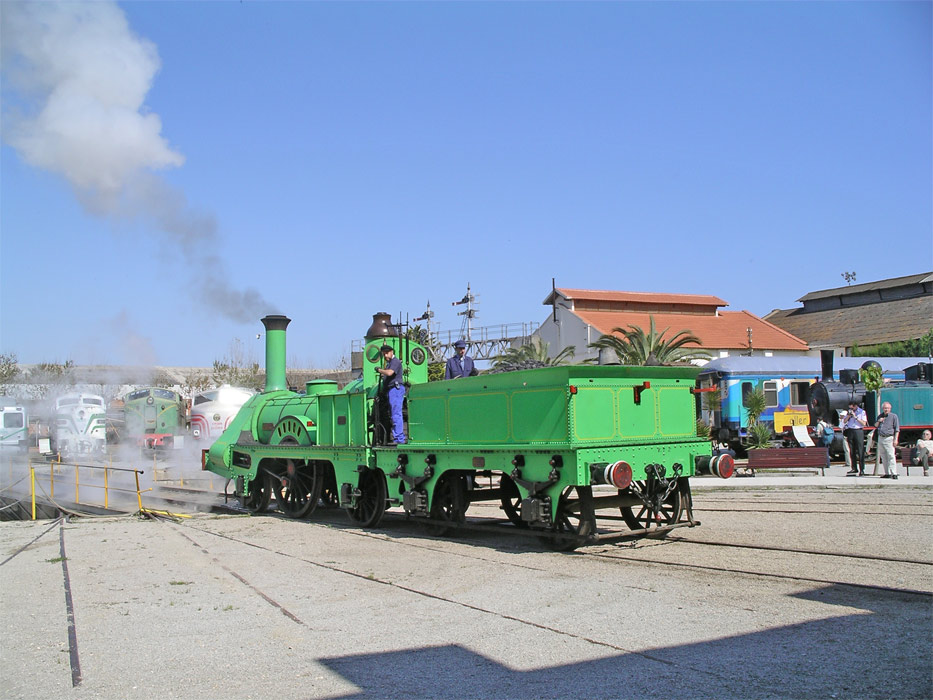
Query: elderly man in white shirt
(924, 451)
(889, 430)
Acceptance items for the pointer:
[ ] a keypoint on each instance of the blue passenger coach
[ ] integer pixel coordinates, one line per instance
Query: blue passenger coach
(785, 381)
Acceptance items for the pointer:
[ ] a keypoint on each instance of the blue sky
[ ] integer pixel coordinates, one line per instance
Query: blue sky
(331, 160)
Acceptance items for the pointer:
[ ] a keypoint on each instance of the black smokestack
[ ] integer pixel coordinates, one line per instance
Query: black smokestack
(826, 365)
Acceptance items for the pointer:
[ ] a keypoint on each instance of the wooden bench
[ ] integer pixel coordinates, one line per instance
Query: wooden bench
(904, 458)
(789, 458)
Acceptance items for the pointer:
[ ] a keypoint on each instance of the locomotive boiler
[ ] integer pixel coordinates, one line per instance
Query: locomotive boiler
(911, 398)
(554, 446)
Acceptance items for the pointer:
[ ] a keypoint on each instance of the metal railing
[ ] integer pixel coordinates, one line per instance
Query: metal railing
(58, 467)
(484, 343)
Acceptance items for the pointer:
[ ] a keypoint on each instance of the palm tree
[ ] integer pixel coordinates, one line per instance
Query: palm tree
(758, 434)
(531, 355)
(633, 347)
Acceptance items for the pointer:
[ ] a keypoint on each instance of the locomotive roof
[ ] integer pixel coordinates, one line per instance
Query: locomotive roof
(807, 365)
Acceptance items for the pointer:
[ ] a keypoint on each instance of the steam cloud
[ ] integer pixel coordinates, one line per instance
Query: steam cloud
(81, 77)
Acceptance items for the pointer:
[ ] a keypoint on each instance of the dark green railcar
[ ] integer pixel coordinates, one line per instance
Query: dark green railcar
(555, 446)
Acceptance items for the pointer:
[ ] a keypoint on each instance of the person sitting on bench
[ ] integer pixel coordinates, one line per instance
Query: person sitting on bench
(924, 451)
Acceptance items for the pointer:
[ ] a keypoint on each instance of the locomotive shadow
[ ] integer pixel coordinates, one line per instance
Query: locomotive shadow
(491, 532)
(881, 652)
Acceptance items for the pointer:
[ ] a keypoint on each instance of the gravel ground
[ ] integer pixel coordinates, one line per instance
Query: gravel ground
(784, 592)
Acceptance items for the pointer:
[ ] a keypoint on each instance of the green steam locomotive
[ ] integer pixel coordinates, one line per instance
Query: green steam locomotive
(553, 446)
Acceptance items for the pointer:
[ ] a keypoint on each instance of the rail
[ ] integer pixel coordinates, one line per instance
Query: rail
(58, 466)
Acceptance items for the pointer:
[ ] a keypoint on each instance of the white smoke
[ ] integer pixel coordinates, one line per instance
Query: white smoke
(80, 78)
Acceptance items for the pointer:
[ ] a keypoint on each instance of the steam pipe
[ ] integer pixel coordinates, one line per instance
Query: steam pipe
(275, 352)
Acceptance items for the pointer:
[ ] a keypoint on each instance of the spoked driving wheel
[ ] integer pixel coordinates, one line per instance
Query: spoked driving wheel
(298, 488)
(256, 500)
(511, 500)
(330, 494)
(657, 512)
(448, 503)
(371, 502)
(575, 516)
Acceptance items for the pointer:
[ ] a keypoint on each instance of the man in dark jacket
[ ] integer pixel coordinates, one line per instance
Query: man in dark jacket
(461, 364)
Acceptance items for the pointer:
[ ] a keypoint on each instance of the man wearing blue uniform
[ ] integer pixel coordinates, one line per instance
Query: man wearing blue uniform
(461, 364)
(395, 391)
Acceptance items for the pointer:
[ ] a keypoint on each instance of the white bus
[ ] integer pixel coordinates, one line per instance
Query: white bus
(13, 426)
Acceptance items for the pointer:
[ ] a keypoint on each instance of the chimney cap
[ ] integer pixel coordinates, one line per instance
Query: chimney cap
(276, 322)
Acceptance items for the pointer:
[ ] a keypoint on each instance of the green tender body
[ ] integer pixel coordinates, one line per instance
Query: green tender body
(536, 407)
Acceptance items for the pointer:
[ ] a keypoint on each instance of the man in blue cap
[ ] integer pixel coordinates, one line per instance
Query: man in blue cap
(461, 364)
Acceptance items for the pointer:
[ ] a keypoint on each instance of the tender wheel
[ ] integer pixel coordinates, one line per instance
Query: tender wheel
(298, 489)
(575, 516)
(260, 490)
(642, 517)
(371, 505)
(448, 503)
(511, 500)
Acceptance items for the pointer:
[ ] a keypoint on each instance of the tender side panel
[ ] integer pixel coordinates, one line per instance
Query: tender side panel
(481, 417)
(676, 412)
(539, 415)
(638, 421)
(427, 419)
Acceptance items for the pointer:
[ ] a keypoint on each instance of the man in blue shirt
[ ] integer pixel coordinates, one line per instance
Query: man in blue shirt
(395, 391)
(461, 364)
(852, 423)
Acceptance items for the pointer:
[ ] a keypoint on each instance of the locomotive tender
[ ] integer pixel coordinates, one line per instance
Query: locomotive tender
(542, 438)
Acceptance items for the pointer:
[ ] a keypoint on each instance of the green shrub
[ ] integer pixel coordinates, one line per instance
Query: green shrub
(759, 436)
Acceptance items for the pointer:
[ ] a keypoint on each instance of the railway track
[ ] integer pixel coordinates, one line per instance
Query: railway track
(371, 607)
(829, 566)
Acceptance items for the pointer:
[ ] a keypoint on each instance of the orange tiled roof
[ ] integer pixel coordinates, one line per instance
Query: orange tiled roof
(639, 297)
(726, 331)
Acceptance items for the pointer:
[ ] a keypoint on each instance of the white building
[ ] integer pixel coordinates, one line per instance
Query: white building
(580, 316)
